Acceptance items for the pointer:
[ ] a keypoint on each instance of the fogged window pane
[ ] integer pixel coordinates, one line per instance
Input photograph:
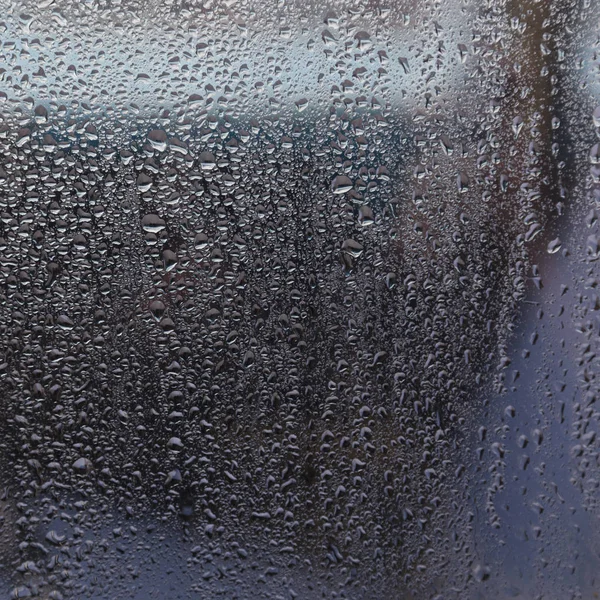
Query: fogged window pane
(298, 299)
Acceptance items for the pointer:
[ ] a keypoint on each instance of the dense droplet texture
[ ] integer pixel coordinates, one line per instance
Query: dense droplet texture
(299, 300)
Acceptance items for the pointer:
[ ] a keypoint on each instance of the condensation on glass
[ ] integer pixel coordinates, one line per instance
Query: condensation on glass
(299, 299)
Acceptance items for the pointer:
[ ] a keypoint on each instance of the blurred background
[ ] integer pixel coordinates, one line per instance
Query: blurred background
(299, 299)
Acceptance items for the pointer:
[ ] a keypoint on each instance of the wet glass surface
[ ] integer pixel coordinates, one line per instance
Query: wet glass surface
(299, 300)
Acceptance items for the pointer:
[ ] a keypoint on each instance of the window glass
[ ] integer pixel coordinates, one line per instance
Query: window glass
(299, 299)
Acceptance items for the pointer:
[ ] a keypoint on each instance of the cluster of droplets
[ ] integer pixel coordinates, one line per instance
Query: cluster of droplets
(253, 310)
